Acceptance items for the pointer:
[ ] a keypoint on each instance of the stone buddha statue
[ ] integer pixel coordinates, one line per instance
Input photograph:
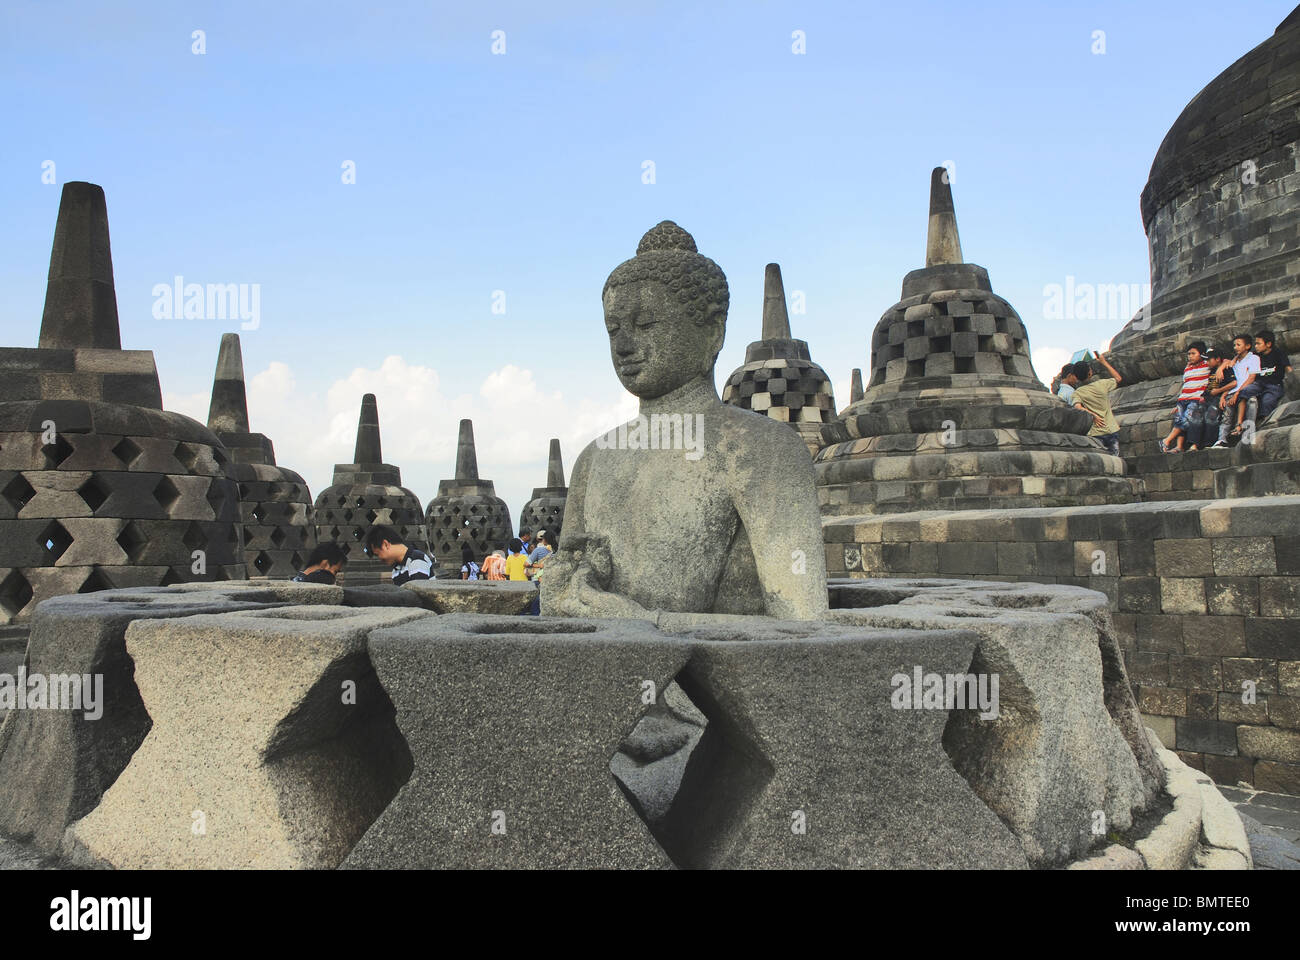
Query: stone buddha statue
(695, 506)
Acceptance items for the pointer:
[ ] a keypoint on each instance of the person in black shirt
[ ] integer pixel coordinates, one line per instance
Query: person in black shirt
(324, 565)
(1274, 365)
(386, 544)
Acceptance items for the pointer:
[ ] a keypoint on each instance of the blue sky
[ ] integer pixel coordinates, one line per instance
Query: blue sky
(523, 173)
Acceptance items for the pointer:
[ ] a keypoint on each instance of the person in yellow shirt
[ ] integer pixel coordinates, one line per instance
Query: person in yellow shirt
(517, 561)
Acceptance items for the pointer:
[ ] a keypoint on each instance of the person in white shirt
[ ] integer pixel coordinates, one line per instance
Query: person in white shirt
(1245, 370)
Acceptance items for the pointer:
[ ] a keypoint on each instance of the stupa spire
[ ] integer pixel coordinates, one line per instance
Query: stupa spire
(776, 319)
(368, 449)
(228, 412)
(80, 301)
(466, 460)
(942, 244)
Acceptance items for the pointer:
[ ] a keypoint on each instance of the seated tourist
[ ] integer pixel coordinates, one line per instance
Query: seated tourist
(469, 570)
(324, 565)
(1189, 408)
(1202, 433)
(386, 544)
(1244, 388)
(1093, 396)
(1274, 365)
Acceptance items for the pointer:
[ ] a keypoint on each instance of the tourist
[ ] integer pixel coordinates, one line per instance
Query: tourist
(516, 561)
(526, 539)
(1202, 433)
(1189, 408)
(1064, 382)
(1245, 373)
(1274, 365)
(1093, 396)
(469, 570)
(324, 565)
(494, 565)
(539, 552)
(386, 544)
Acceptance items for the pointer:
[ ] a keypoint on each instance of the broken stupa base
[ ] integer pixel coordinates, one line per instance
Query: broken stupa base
(788, 743)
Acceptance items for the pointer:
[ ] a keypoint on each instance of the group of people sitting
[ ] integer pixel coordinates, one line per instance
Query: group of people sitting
(1214, 406)
(521, 559)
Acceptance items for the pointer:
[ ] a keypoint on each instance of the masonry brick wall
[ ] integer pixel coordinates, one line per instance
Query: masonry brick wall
(1205, 594)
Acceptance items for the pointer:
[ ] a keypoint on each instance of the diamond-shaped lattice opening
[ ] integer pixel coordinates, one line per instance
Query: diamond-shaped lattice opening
(262, 562)
(370, 516)
(361, 502)
(381, 502)
(277, 536)
(259, 513)
(690, 773)
(187, 455)
(341, 501)
(248, 534)
(127, 450)
(170, 577)
(347, 516)
(194, 537)
(94, 491)
(18, 492)
(54, 540)
(166, 494)
(294, 490)
(243, 491)
(96, 581)
(273, 490)
(56, 452)
(357, 534)
(296, 560)
(216, 498)
(132, 541)
(334, 533)
(15, 593)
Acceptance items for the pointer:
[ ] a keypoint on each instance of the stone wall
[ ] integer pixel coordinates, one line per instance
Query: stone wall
(1205, 594)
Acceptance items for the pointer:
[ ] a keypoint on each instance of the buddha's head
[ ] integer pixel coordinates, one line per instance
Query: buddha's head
(665, 312)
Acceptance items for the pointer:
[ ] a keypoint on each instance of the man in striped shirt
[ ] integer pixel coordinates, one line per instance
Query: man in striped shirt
(1189, 408)
(386, 544)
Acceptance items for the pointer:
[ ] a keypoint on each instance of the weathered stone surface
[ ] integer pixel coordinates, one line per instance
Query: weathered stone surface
(1069, 740)
(1114, 857)
(473, 596)
(247, 766)
(1171, 844)
(886, 795)
(55, 764)
(740, 483)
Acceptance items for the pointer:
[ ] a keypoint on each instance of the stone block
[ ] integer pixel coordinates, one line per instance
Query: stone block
(1184, 558)
(474, 596)
(292, 780)
(1203, 704)
(1269, 743)
(1275, 638)
(1288, 677)
(1260, 672)
(1243, 556)
(1232, 595)
(1229, 771)
(1214, 636)
(56, 764)
(1139, 595)
(1162, 701)
(1160, 634)
(1149, 668)
(1280, 597)
(1207, 736)
(1284, 711)
(1233, 710)
(1195, 673)
(1182, 595)
(1277, 777)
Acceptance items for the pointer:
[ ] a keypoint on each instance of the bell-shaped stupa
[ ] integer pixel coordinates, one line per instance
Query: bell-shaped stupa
(545, 511)
(364, 493)
(99, 486)
(274, 503)
(779, 379)
(954, 417)
(466, 510)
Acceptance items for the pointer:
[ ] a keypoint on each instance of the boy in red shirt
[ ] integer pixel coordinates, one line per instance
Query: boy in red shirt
(1189, 408)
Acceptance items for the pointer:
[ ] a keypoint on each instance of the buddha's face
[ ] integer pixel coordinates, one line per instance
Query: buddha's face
(654, 340)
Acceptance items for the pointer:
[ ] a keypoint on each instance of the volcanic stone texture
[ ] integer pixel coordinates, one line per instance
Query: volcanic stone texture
(954, 416)
(466, 510)
(290, 780)
(778, 378)
(545, 511)
(275, 504)
(365, 493)
(800, 734)
(1205, 596)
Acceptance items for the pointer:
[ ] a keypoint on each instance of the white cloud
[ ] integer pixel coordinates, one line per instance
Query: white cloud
(1048, 361)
